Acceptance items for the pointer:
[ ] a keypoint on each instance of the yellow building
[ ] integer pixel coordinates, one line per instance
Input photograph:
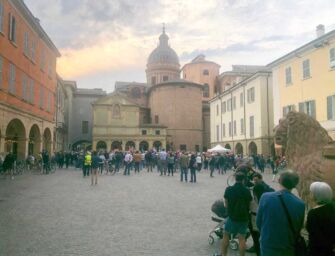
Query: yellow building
(304, 80)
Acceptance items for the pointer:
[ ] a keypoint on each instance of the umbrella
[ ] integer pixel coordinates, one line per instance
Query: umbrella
(218, 149)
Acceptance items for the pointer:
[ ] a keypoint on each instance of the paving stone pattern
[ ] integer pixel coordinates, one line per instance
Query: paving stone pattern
(143, 214)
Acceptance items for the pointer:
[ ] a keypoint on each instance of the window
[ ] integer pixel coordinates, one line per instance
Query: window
(32, 90)
(223, 130)
(33, 50)
(49, 102)
(229, 105)
(157, 132)
(234, 103)
(242, 125)
(144, 132)
(153, 80)
(306, 69)
(156, 119)
(288, 109)
(217, 109)
(251, 95)
(136, 93)
(1, 65)
(235, 128)
(223, 107)
(230, 129)
(183, 147)
(332, 57)
(331, 107)
(11, 78)
(205, 91)
(26, 43)
(50, 68)
(252, 129)
(42, 63)
(308, 107)
(116, 111)
(41, 105)
(1, 17)
(12, 28)
(165, 78)
(25, 87)
(205, 72)
(84, 127)
(241, 99)
(288, 75)
(217, 133)
(197, 148)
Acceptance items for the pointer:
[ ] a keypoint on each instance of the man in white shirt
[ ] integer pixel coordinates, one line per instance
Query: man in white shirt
(127, 159)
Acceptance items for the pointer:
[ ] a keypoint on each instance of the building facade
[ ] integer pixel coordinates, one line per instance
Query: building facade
(242, 116)
(28, 82)
(304, 80)
(60, 130)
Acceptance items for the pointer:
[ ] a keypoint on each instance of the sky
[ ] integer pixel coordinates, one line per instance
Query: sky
(104, 41)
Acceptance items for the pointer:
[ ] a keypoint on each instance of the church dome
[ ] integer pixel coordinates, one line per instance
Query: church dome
(163, 53)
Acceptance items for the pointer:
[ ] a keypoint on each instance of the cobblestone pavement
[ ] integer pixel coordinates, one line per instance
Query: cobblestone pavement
(142, 214)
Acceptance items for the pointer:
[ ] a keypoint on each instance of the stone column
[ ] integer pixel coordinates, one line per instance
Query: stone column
(2, 144)
(124, 142)
(137, 145)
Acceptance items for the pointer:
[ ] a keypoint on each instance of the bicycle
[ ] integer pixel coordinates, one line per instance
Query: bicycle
(19, 167)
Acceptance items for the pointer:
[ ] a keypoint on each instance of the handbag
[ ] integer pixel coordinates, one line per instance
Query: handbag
(300, 247)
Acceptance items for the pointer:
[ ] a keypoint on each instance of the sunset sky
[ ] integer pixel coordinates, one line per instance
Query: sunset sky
(104, 41)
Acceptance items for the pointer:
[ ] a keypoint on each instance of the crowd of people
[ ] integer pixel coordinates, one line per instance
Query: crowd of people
(276, 218)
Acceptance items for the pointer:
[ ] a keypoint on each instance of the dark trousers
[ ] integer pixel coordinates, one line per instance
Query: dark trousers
(86, 170)
(170, 169)
(183, 173)
(255, 237)
(212, 170)
(127, 169)
(193, 175)
(137, 167)
(149, 165)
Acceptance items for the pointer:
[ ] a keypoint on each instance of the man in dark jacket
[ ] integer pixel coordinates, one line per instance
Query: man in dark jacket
(237, 201)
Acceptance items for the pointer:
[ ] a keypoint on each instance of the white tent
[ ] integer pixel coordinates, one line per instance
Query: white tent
(218, 149)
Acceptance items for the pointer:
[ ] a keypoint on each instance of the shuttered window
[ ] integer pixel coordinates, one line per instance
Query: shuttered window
(1, 17)
(331, 107)
(251, 95)
(306, 69)
(26, 43)
(41, 105)
(223, 130)
(252, 128)
(224, 107)
(308, 107)
(32, 92)
(288, 75)
(11, 78)
(235, 128)
(12, 28)
(230, 129)
(33, 50)
(241, 99)
(242, 125)
(229, 105)
(24, 87)
(332, 57)
(234, 102)
(1, 72)
(217, 133)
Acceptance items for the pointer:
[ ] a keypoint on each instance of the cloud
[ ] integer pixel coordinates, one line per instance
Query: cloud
(114, 36)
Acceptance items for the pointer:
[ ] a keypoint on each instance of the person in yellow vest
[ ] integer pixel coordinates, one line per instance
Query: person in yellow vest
(87, 163)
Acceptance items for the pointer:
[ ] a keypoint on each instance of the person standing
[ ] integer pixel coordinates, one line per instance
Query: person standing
(148, 160)
(87, 164)
(94, 170)
(162, 161)
(276, 238)
(199, 162)
(137, 161)
(212, 162)
(321, 221)
(102, 162)
(183, 161)
(237, 199)
(170, 161)
(193, 167)
(127, 160)
(259, 188)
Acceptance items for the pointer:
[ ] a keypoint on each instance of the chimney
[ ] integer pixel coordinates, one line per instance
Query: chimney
(320, 30)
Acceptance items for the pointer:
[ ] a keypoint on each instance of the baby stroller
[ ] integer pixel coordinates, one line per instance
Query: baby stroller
(221, 214)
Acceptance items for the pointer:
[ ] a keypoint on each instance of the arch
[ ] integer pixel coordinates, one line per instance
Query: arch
(47, 140)
(227, 146)
(136, 93)
(205, 91)
(239, 149)
(144, 146)
(116, 145)
(82, 145)
(34, 143)
(116, 111)
(252, 148)
(130, 145)
(157, 145)
(15, 139)
(101, 145)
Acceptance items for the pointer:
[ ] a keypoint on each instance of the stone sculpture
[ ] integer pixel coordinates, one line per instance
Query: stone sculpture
(309, 150)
